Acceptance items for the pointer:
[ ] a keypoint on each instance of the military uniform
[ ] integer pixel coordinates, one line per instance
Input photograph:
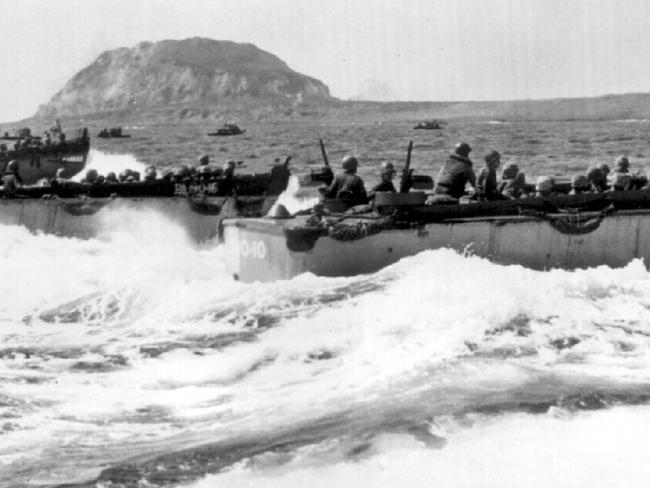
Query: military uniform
(486, 184)
(10, 182)
(349, 188)
(384, 185)
(454, 175)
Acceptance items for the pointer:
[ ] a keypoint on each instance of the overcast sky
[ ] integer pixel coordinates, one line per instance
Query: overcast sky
(377, 49)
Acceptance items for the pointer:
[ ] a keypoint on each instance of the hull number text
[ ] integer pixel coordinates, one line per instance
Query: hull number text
(253, 249)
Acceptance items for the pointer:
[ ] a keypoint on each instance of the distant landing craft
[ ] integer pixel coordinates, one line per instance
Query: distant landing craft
(112, 133)
(429, 125)
(227, 130)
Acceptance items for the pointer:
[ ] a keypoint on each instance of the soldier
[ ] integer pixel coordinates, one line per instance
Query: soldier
(386, 184)
(91, 177)
(456, 173)
(623, 179)
(597, 179)
(168, 175)
(347, 186)
(544, 186)
(150, 174)
(512, 182)
(11, 180)
(229, 169)
(580, 184)
(486, 184)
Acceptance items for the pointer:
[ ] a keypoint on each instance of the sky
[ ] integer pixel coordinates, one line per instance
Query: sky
(424, 50)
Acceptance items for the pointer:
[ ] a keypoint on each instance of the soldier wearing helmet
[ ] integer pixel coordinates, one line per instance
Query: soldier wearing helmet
(622, 165)
(456, 173)
(11, 180)
(513, 182)
(580, 184)
(150, 174)
(544, 186)
(347, 185)
(229, 169)
(486, 184)
(597, 179)
(181, 173)
(111, 178)
(623, 179)
(386, 184)
(91, 177)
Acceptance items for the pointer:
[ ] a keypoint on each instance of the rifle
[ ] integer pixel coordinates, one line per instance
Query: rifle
(405, 182)
(322, 150)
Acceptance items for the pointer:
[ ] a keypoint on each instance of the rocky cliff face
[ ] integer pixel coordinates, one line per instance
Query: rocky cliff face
(194, 72)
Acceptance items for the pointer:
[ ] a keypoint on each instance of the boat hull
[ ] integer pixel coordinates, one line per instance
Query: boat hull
(36, 166)
(260, 250)
(86, 218)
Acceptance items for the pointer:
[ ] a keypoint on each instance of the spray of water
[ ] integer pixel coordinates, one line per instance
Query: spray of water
(105, 163)
(294, 200)
(140, 343)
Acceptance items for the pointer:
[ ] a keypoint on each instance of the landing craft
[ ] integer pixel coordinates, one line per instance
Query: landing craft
(198, 204)
(37, 159)
(565, 231)
(113, 133)
(429, 125)
(227, 130)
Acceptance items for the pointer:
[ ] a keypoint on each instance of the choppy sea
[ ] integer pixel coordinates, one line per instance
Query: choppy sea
(136, 361)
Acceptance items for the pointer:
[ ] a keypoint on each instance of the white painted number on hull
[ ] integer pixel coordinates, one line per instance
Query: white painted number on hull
(254, 249)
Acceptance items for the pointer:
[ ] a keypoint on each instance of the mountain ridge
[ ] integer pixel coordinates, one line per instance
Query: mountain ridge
(199, 79)
(195, 71)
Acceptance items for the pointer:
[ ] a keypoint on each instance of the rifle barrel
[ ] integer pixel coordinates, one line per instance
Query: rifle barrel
(406, 174)
(322, 150)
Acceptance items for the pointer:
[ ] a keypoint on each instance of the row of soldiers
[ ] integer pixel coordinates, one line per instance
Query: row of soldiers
(33, 143)
(11, 179)
(203, 171)
(457, 172)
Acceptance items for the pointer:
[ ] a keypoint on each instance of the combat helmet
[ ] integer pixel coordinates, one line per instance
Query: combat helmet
(622, 164)
(463, 149)
(492, 157)
(580, 182)
(349, 163)
(510, 171)
(387, 168)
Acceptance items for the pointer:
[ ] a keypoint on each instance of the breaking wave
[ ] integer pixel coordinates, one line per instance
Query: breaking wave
(106, 162)
(140, 353)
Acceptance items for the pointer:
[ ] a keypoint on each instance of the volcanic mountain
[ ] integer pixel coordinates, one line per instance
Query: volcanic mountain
(189, 74)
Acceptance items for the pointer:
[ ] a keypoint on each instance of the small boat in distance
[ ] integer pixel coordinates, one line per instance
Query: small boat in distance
(38, 158)
(429, 125)
(112, 133)
(227, 130)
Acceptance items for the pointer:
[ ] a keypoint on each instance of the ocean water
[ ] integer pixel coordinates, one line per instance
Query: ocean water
(136, 361)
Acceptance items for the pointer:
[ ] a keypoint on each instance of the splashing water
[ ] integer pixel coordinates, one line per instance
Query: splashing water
(136, 357)
(292, 198)
(105, 163)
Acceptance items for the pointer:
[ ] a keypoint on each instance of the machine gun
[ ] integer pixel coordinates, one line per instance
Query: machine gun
(322, 175)
(405, 182)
